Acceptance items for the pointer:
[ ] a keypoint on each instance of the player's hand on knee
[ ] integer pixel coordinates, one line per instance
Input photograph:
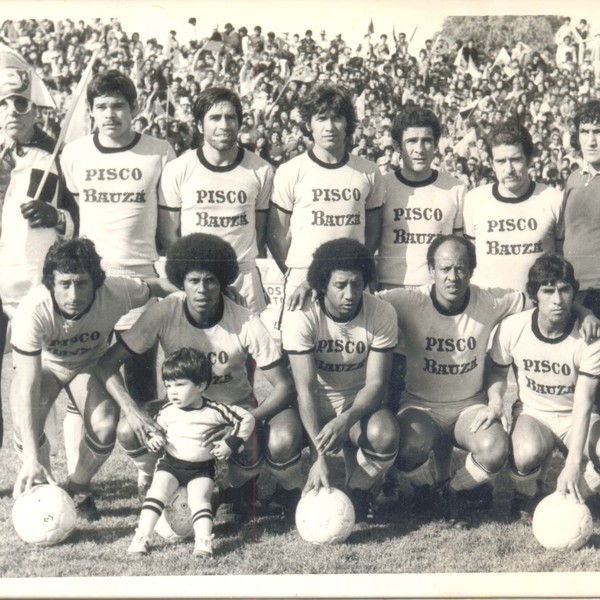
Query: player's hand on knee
(215, 434)
(39, 213)
(485, 417)
(221, 450)
(298, 296)
(318, 476)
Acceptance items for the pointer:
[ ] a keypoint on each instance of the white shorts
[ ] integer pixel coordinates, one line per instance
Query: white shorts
(443, 414)
(249, 285)
(559, 423)
(293, 278)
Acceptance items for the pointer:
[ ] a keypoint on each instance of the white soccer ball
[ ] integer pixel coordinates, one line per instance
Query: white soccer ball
(175, 523)
(44, 515)
(325, 517)
(560, 523)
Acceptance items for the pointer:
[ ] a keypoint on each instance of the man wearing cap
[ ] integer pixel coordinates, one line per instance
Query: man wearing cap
(33, 216)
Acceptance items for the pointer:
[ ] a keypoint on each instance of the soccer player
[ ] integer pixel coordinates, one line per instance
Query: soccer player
(60, 330)
(220, 189)
(340, 350)
(514, 220)
(187, 460)
(421, 203)
(323, 194)
(114, 175)
(582, 210)
(447, 325)
(557, 376)
(201, 317)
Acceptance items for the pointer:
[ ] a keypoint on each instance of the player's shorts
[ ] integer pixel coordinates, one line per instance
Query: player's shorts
(184, 470)
(443, 414)
(140, 272)
(249, 285)
(65, 373)
(292, 279)
(333, 405)
(559, 423)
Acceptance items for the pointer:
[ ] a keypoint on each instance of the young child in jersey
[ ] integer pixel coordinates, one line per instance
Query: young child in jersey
(184, 418)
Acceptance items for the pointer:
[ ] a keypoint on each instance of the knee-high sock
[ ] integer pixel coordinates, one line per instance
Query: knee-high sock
(152, 508)
(470, 476)
(370, 469)
(525, 483)
(290, 474)
(202, 520)
(420, 476)
(590, 482)
(73, 431)
(92, 456)
(144, 461)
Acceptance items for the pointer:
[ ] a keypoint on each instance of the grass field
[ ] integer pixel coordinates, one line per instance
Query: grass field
(399, 544)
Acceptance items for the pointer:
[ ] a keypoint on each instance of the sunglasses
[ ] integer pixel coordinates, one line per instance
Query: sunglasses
(19, 104)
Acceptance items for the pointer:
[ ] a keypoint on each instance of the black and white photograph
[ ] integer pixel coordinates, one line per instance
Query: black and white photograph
(299, 299)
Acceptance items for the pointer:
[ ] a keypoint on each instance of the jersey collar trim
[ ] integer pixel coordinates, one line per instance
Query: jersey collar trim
(516, 200)
(340, 319)
(77, 317)
(445, 311)
(325, 165)
(208, 325)
(106, 150)
(220, 169)
(535, 327)
(417, 184)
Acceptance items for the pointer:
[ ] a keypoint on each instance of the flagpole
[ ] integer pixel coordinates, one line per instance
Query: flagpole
(79, 90)
(270, 108)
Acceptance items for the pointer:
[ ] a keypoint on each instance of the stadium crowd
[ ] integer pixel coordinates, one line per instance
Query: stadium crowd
(356, 168)
(468, 90)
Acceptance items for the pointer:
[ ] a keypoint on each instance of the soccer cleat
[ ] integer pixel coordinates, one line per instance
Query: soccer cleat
(424, 499)
(522, 507)
(203, 546)
(86, 507)
(481, 497)
(364, 509)
(139, 544)
(237, 504)
(286, 502)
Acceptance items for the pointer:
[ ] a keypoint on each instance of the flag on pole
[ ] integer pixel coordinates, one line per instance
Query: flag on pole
(370, 28)
(303, 74)
(502, 58)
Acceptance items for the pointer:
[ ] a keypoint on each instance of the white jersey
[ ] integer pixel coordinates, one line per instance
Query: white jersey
(341, 348)
(547, 368)
(117, 191)
(184, 427)
(39, 326)
(23, 248)
(222, 201)
(446, 351)
(227, 343)
(325, 201)
(511, 233)
(415, 213)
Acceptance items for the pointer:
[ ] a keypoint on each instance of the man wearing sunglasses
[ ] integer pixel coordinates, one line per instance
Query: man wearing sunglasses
(33, 216)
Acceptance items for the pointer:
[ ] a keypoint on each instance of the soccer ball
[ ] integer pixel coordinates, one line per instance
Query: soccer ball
(44, 515)
(560, 523)
(325, 517)
(175, 523)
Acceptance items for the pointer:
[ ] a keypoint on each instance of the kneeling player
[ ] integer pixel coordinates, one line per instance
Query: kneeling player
(59, 331)
(185, 418)
(202, 317)
(340, 348)
(557, 375)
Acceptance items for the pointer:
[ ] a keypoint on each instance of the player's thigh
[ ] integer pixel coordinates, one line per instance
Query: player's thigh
(378, 431)
(92, 400)
(530, 442)
(417, 429)
(49, 389)
(491, 441)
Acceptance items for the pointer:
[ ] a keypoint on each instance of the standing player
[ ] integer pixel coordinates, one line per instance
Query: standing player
(340, 349)
(447, 326)
(220, 189)
(557, 376)
(201, 317)
(114, 175)
(323, 194)
(421, 204)
(60, 330)
(515, 220)
(582, 209)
